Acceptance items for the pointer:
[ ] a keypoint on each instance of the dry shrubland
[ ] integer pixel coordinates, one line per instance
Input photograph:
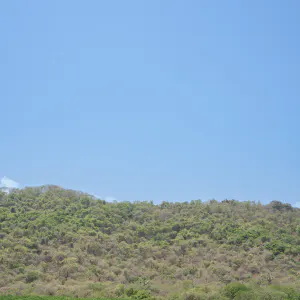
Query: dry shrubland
(61, 242)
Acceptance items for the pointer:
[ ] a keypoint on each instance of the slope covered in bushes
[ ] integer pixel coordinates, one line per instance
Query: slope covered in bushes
(61, 242)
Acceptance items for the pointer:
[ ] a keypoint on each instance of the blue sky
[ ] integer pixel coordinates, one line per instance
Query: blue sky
(152, 100)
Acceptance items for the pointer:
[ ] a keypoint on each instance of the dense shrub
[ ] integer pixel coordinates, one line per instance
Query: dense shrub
(63, 242)
(232, 289)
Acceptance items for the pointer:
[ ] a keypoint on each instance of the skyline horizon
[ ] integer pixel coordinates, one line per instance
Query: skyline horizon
(17, 185)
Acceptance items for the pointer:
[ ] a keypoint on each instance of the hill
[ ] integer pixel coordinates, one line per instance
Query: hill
(55, 241)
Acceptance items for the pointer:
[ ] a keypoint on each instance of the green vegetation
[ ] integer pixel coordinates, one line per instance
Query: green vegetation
(10, 297)
(65, 243)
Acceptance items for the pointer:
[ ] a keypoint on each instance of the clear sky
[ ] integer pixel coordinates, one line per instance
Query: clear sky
(152, 100)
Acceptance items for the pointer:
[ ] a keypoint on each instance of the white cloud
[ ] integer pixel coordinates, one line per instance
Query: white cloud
(8, 183)
(97, 196)
(297, 204)
(110, 199)
(107, 198)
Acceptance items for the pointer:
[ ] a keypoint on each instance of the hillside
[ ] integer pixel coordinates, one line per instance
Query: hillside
(62, 242)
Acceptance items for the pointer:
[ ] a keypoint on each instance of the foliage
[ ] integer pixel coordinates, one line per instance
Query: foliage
(232, 289)
(58, 242)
